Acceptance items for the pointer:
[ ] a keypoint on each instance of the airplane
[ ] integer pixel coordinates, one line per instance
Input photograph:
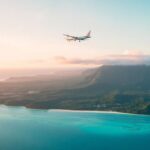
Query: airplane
(78, 38)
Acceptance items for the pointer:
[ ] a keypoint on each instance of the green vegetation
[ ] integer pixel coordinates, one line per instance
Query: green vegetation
(116, 88)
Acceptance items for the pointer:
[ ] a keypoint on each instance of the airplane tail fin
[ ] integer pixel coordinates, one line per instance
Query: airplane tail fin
(89, 34)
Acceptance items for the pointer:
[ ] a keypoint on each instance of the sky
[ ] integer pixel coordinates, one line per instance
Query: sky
(31, 32)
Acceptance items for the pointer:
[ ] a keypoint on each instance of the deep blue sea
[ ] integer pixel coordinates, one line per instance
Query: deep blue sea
(30, 129)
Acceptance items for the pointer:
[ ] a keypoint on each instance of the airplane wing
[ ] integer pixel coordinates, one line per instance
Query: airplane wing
(70, 40)
(69, 36)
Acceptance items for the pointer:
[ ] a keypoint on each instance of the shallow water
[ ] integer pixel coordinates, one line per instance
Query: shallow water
(29, 129)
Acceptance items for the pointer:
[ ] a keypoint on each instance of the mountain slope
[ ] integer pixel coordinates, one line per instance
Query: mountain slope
(122, 76)
(116, 88)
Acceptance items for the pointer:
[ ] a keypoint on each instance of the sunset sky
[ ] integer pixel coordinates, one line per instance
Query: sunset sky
(31, 32)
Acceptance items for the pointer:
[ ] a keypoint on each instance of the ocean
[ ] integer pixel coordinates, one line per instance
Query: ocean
(31, 129)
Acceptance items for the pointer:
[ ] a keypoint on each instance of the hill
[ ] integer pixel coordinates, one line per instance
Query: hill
(116, 88)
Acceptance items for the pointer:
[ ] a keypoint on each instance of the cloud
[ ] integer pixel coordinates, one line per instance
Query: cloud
(124, 59)
(63, 60)
(133, 52)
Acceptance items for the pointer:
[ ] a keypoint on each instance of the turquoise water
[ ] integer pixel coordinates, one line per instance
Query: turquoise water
(29, 129)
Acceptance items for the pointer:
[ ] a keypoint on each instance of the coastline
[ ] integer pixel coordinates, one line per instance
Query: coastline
(88, 111)
(73, 111)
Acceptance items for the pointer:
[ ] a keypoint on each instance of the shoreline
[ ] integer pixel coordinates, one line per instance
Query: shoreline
(96, 111)
(88, 111)
(74, 111)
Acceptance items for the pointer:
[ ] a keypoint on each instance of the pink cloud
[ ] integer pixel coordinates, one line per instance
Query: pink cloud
(124, 59)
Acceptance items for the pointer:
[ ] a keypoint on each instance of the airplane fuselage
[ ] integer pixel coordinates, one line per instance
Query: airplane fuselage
(81, 38)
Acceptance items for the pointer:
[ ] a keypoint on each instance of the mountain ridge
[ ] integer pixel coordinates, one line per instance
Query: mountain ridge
(115, 88)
